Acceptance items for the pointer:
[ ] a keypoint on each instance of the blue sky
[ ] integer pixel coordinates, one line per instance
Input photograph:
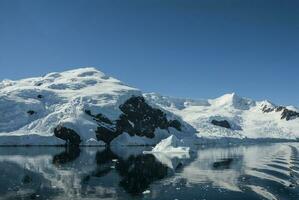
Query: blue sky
(184, 48)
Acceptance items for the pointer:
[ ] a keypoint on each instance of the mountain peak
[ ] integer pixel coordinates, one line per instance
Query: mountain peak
(79, 72)
(232, 99)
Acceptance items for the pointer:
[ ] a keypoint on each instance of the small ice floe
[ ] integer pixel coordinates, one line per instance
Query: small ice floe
(171, 152)
(114, 160)
(146, 192)
(171, 145)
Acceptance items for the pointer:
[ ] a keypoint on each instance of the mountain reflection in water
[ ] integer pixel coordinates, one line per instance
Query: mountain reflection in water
(269, 171)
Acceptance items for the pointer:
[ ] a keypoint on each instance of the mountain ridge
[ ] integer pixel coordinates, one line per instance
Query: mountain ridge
(86, 107)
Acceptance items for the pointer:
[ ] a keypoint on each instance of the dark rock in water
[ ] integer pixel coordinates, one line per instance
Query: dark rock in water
(222, 123)
(69, 135)
(40, 96)
(31, 112)
(138, 118)
(223, 164)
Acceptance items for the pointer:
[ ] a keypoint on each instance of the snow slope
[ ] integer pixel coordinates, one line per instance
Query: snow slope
(84, 106)
(245, 116)
(32, 108)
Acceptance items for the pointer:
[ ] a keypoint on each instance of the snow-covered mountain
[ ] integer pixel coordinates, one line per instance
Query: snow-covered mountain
(82, 106)
(86, 107)
(233, 116)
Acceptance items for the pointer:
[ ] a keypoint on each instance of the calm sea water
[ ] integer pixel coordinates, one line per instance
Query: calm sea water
(264, 171)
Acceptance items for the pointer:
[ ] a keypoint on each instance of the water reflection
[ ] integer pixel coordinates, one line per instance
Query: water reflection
(70, 154)
(223, 164)
(136, 172)
(245, 172)
(21, 180)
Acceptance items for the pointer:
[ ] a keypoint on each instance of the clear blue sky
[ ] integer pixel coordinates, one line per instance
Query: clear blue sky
(184, 48)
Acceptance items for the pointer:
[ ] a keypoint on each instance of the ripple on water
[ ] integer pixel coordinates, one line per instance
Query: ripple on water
(246, 172)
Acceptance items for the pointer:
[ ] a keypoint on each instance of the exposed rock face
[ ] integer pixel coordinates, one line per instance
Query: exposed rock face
(289, 114)
(267, 109)
(69, 135)
(106, 134)
(31, 112)
(286, 113)
(99, 117)
(175, 124)
(138, 118)
(222, 123)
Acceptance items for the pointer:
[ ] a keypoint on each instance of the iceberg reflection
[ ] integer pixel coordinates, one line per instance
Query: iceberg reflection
(245, 172)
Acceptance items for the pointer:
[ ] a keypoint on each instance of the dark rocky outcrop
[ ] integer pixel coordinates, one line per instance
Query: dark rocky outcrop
(222, 123)
(31, 112)
(99, 117)
(106, 134)
(143, 119)
(175, 124)
(38, 84)
(286, 114)
(280, 108)
(70, 136)
(137, 118)
(40, 96)
(267, 109)
(289, 114)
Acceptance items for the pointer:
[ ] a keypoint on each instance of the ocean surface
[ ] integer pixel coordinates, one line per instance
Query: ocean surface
(248, 172)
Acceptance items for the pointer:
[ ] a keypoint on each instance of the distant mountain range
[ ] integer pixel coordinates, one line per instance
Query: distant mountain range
(86, 107)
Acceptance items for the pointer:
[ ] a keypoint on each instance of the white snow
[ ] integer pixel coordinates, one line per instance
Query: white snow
(146, 192)
(244, 115)
(171, 145)
(62, 98)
